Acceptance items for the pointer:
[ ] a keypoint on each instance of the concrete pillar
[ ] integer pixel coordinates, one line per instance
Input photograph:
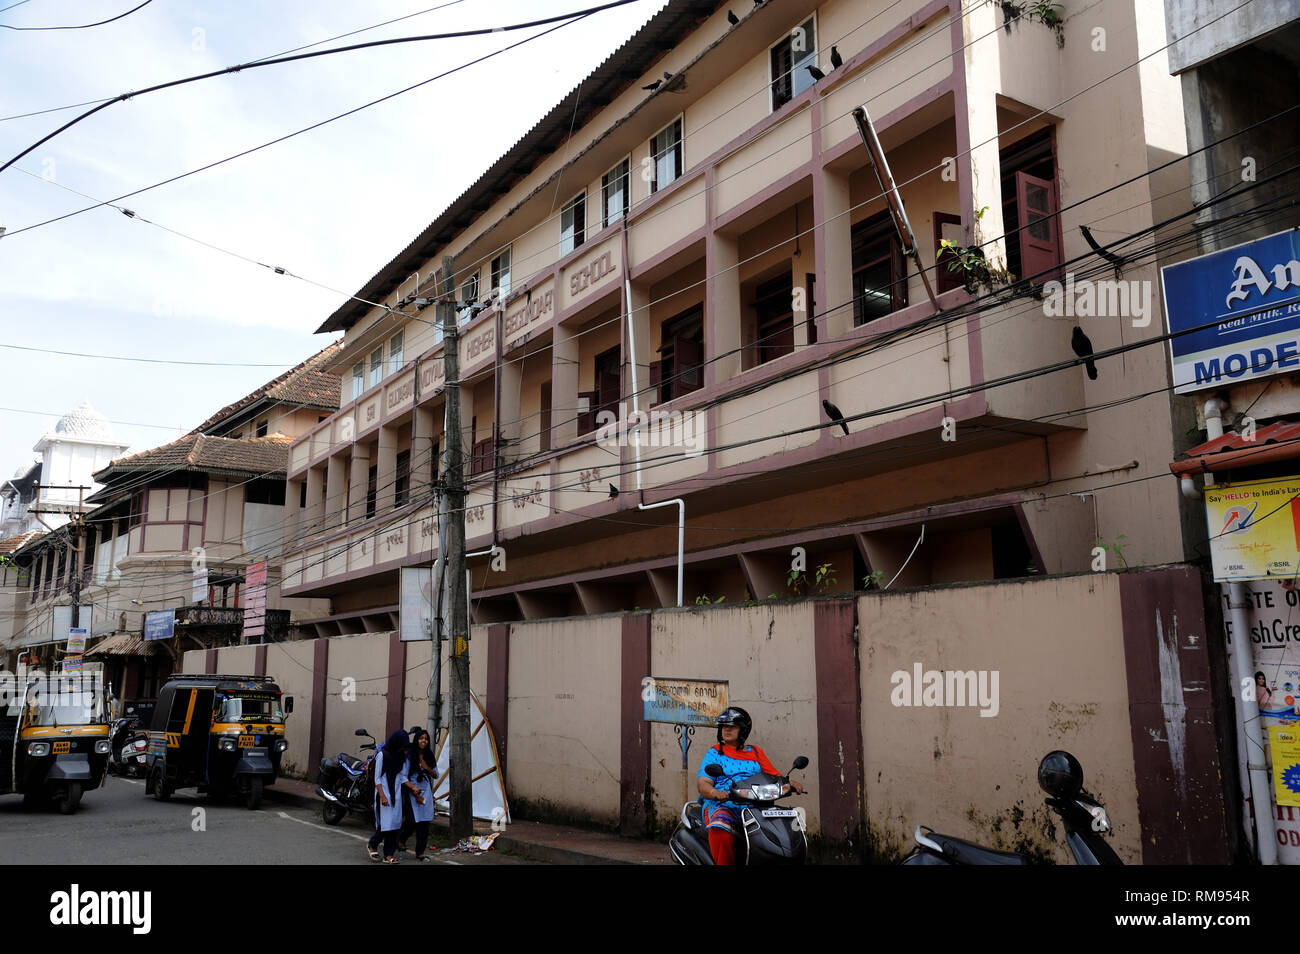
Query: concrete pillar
(834, 242)
(644, 353)
(385, 492)
(512, 428)
(979, 170)
(336, 499)
(315, 513)
(722, 309)
(359, 477)
(292, 512)
(564, 388)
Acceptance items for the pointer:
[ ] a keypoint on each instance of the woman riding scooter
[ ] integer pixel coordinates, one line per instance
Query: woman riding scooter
(737, 760)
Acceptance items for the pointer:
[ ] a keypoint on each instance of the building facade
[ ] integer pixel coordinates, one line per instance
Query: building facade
(718, 192)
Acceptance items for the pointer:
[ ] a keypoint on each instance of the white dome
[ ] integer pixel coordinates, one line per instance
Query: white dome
(87, 423)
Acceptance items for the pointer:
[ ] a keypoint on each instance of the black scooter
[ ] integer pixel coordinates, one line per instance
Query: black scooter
(1059, 775)
(347, 783)
(772, 836)
(128, 748)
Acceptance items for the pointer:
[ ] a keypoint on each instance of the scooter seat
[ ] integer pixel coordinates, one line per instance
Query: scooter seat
(968, 853)
(695, 814)
(350, 761)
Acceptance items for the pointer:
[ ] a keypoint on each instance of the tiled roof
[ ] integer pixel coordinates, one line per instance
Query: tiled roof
(14, 544)
(243, 457)
(306, 385)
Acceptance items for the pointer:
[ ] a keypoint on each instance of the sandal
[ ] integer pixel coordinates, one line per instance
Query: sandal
(374, 855)
(391, 861)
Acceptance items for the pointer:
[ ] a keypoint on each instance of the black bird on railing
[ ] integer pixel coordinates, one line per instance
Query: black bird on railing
(732, 18)
(613, 491)
(817, 74)
(1083, 348)
(835, 415)
(836, 60)
(654, 86)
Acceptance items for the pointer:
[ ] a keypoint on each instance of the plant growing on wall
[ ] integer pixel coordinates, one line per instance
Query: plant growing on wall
(823, 579)
(1042, 11)
(873, 579)
(1117, 548)
(704, 600)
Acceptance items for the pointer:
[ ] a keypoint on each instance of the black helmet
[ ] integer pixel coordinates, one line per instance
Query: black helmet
(734, 715)
(1060, 775)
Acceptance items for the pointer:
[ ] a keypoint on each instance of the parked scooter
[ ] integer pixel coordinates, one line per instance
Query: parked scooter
(347, 783)
(1059, 775)
(772, 836)
(129, 748)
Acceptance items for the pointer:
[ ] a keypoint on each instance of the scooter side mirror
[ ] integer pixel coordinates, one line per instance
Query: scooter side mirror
(361, 732)
(800, 763)
(713, 771)
(1060, 775)
(288, 705)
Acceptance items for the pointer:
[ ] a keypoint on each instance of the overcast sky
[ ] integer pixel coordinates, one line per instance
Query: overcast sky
(333, 205)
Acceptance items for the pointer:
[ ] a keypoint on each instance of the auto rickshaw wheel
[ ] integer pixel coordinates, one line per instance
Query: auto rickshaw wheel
(70, 798)
(254, 791)
(161, 790)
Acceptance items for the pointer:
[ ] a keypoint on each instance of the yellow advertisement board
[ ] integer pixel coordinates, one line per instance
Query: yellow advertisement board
(1284, 746)
(1254, 529)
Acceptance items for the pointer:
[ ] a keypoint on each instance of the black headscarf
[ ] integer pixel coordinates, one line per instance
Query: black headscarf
(394, 753)
(413, 768)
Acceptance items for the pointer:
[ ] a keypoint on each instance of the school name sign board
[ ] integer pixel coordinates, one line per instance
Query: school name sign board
(1249, 297)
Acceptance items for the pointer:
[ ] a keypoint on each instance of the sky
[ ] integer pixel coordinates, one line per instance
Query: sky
(333, 205)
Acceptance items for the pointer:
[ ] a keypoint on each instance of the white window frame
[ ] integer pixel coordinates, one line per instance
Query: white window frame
(493, 272)
(796, 67)
(358, 379)
(468, 296)
(655, 184)
(605, 220)
(395, 361)
(376, 367)
(579, 236)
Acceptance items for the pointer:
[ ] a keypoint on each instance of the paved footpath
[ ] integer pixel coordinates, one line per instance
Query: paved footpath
(119, 824)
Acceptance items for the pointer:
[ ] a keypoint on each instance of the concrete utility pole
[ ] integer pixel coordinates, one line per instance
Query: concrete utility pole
(460, 794)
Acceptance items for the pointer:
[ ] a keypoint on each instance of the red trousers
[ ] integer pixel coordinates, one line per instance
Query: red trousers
(722, 845)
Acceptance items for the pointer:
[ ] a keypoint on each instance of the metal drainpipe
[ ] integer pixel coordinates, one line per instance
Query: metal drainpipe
(636, 434)
(1251, 764)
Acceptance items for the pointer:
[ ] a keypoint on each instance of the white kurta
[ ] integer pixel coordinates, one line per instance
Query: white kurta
(390, 816)
(423, 813)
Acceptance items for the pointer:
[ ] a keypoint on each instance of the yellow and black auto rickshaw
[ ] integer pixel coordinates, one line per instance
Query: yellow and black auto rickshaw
(54, 737)
(223, 735)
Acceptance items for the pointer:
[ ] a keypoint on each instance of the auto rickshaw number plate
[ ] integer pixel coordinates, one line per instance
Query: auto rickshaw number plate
(247, 741)
(62, 747)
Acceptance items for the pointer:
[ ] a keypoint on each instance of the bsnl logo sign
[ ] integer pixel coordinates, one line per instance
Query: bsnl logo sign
(1235, 314)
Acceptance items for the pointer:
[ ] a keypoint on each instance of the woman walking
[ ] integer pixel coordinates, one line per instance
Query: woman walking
(390, 777)
(417, 795)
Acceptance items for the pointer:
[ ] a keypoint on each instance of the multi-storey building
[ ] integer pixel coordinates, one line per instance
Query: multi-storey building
(706, 182)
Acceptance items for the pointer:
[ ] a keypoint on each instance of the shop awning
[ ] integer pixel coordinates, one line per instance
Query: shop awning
(1275, 442)
(124, 644)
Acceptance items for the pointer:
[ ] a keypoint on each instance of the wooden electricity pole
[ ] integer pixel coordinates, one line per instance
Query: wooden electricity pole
(459, 763)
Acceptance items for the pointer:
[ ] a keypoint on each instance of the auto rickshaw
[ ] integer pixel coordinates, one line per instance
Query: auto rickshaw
(218, 733)
(54, 741)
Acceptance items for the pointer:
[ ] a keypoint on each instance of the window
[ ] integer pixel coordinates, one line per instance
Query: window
(1030, 203)
(261, 428)
(137, 510)
(376, 366)
(395, 353)
(608, 380)
(358, 379)
(614, 187)
(790, 60)
(372, 491)
(666, 153)
(774, 303)
(947, 226)
(544, 418)
(468, 296)
(879, 273)
(573, 224)
(501, 274)
(680, 368)
(302, 495)
(402, 482)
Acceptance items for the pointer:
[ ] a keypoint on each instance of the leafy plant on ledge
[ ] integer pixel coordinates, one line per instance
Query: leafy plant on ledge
(823, 579)
(974, 269)
(1044, 11)
(872, 581)
(704, 600)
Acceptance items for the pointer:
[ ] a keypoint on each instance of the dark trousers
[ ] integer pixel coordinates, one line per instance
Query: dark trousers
(409, 825)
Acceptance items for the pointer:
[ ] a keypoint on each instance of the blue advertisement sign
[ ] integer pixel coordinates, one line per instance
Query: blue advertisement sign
(1252, 294)
(160, 624)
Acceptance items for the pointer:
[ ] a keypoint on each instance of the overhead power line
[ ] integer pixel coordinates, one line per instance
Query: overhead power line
(81, 26)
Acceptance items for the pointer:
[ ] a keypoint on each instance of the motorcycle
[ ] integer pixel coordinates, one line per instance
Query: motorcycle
(1085, 821)
(347, 783)
(772, 836)
(129, 748)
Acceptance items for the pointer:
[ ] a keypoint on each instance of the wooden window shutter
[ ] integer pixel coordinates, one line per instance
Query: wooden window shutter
(587, 404)
(688, 362)
(1040, 232)
(656, 377)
